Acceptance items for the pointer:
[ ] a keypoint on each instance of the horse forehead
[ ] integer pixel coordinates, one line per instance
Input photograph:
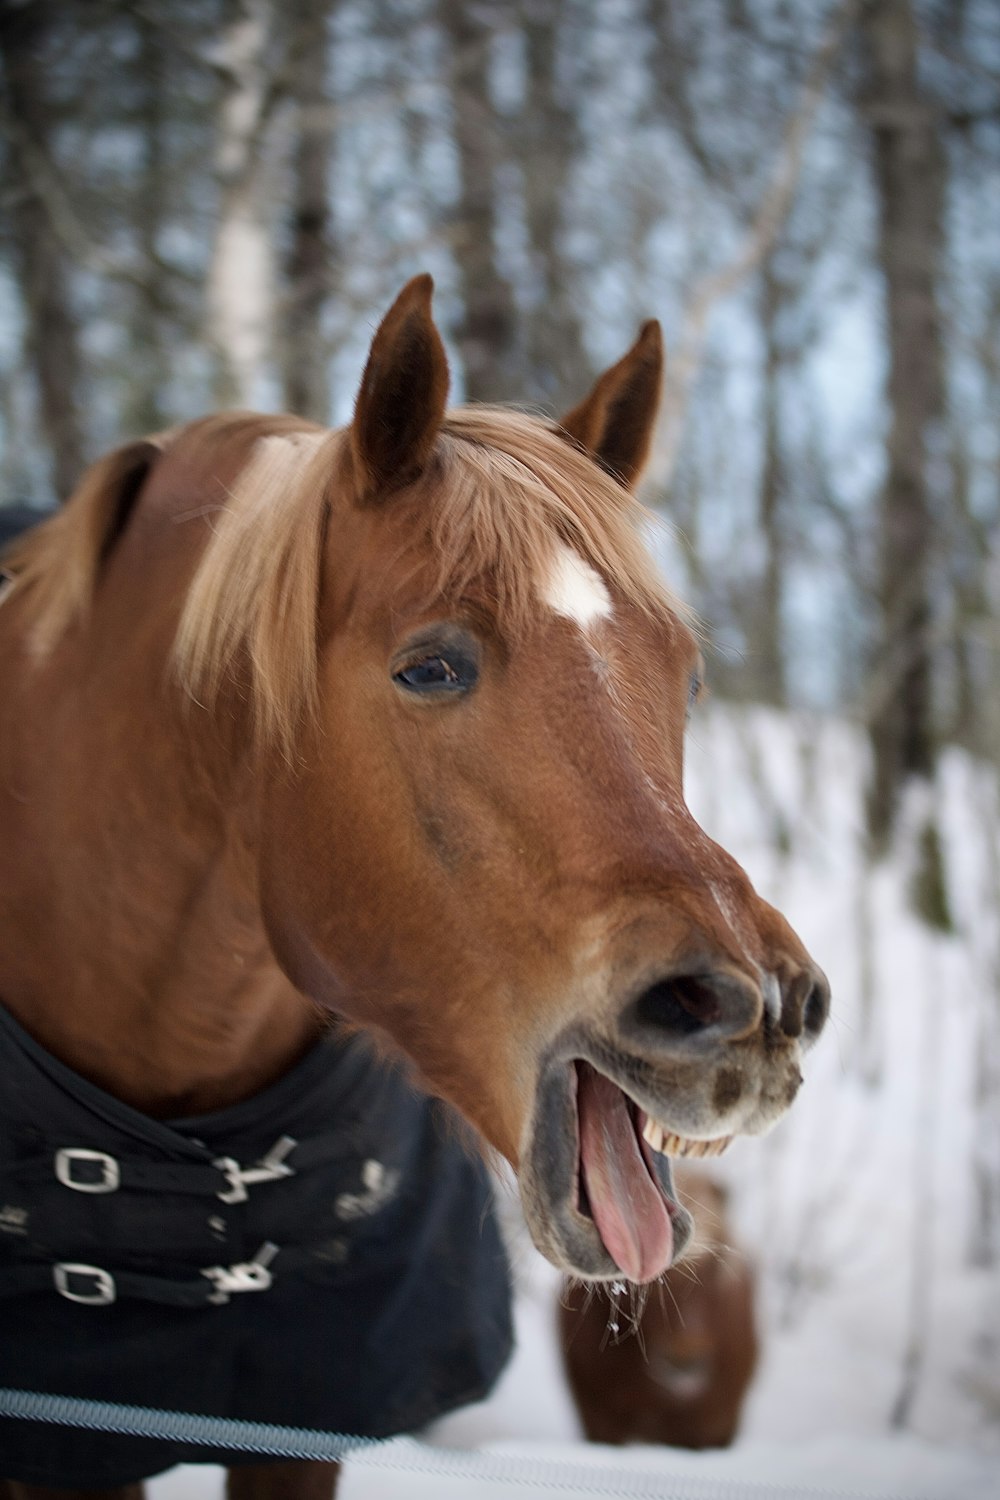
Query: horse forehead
(574, 589)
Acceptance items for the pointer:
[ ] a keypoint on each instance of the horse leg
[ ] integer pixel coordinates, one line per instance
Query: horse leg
(12, 1489)
(298, 1479)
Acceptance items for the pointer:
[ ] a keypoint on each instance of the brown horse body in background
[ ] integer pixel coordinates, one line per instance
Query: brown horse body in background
(392, 719)
(678, 1372)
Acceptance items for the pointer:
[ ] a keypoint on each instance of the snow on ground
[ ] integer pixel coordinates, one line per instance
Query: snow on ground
(881, 1369)
(860, 1205)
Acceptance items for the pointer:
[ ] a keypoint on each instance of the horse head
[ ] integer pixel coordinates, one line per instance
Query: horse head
(479, 843)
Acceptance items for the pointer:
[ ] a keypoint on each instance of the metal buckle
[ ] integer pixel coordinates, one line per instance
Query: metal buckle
(378, 1185)
(268, 1169)
(247, 1276)
(110, 1178)
(104, 1290)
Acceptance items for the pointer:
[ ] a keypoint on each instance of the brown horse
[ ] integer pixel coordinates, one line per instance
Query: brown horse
(391, 718)
(677, 1370)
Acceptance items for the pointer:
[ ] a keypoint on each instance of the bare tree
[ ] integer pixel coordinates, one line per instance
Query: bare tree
(909, 181)
(145, 402)
(305, 352)
(756, 242)
(769, 632)
(43, 267)
(549, 130)
(487, 337)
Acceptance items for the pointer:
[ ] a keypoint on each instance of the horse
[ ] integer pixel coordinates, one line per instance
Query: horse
(321, 748)
(679, 1370)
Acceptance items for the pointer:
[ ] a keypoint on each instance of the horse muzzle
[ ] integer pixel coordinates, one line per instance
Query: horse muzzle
(694, 1059)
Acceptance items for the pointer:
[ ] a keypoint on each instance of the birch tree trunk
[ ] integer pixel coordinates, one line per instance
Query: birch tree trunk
(240, 284)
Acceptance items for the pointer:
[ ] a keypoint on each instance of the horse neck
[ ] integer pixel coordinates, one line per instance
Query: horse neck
(130, 932)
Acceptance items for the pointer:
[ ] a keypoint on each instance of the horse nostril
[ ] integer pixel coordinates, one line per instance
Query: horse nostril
(816, 1009)
(806, 1006)
(680, 1005)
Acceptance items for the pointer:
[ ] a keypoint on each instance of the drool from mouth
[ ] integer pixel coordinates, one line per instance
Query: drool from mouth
(623, 1187)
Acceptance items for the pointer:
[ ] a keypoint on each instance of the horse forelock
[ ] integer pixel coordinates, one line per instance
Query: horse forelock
(538, 518)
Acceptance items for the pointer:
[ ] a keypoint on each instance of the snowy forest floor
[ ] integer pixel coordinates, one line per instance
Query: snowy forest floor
(880, 1286)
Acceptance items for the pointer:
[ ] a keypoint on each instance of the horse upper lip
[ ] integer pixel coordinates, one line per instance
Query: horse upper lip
(681, 1142)
(633, 1075)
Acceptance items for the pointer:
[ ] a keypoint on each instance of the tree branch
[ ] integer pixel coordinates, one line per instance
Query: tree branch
(759, 239)
(69, 229)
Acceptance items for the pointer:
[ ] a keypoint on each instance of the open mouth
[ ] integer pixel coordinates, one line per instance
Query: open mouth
(624, 1181)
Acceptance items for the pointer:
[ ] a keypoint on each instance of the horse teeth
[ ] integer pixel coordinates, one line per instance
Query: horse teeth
(669, 1143)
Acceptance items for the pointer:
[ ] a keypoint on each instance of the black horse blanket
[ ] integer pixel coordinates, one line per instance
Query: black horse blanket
(323, 1255)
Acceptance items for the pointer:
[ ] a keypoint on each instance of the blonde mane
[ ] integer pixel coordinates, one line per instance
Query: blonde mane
(504, 489)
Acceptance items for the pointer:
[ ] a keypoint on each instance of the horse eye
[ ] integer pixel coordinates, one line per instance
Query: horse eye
(694, 691)
(431, 673)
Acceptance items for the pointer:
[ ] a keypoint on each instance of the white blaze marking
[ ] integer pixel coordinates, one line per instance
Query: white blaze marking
(573, 589)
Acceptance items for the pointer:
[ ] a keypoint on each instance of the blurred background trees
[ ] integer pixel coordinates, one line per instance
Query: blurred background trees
(209, 202)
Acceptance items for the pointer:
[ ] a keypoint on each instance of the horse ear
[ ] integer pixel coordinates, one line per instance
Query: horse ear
(401, 401)
(615, 422)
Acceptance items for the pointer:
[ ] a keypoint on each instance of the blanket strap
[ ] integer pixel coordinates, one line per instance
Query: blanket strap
(96, 1287)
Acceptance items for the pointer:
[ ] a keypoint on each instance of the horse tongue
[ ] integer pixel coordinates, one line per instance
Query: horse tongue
(627, 1205)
